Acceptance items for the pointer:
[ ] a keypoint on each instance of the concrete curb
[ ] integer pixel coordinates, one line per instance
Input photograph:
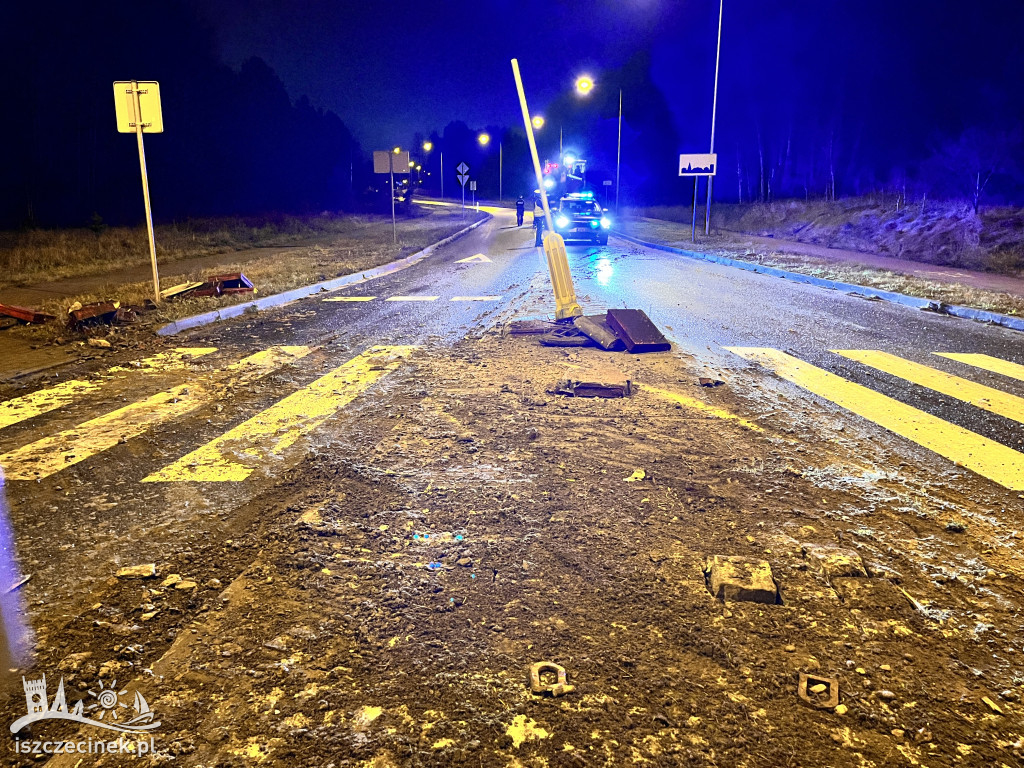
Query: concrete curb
(980, 315)
(278, 299)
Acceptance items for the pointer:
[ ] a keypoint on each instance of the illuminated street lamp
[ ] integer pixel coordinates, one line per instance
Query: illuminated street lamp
(584, 85)
(484, 139)
(427, 147)
(396, 150)
(538, 122)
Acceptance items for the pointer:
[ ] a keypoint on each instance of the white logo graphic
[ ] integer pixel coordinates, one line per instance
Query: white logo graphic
(107, 710)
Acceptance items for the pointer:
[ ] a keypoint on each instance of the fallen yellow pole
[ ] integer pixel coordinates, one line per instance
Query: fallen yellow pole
(566, 305)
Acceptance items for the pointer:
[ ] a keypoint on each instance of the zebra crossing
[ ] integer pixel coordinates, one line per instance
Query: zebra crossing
(982, 455)
(229, 458)
(263, 437)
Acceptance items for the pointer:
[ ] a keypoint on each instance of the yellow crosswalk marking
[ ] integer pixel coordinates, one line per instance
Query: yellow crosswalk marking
(475, 298)
(413, 298)
(988, 363)
(690, 402)
(986, 398)
(49, 399)
(968, 449)
(239, 452)
(350, 298)
(52, 454)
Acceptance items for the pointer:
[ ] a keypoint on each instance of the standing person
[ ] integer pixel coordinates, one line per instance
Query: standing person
(520, 210)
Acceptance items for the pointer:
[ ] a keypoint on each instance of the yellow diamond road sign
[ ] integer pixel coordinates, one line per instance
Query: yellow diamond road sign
(149, 105)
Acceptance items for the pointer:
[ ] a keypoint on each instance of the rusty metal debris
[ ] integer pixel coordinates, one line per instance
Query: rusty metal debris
(566, 336)
(819, 692)
(558, 688)
(530, 327)
(607, 389)
(99, 312)
(637, 331)
(24, 314)
(179, 291)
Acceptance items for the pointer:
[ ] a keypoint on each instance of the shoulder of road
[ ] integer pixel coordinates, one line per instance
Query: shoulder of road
(981, 296)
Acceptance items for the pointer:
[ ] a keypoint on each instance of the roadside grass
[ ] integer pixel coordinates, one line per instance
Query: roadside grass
(44, 254)
(944, 232)
(338, 248)
(678, 236)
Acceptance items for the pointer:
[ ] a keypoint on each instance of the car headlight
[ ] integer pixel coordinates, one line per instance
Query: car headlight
(593, 225)
(549, 183)
(606, 223)
(561, 222)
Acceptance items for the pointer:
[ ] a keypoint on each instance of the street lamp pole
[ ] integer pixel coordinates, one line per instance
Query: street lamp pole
(714, 107)
(618, 156)
(501, 170)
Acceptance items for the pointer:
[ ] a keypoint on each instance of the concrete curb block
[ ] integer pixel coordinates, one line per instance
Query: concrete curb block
(278, 299)
(980, 315)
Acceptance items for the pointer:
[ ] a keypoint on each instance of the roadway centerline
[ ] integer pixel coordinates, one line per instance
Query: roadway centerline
(986, 457)
(45, 400)
(413, 298)
(50, 455)
(988, 399)
(236, 454)
(350, 298)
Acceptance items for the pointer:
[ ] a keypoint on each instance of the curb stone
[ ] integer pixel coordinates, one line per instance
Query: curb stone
(278, 299)
(967, 313)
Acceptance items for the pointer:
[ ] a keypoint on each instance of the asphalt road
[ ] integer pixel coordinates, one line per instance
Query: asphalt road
(71, 524)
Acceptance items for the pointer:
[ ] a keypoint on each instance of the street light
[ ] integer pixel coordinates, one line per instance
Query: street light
(427, 147)
(484, 139)
(584, 85)
(538, 122)
(714, 107)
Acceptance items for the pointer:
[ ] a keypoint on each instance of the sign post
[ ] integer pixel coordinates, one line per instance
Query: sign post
(137, 110)
(472, 188)
(391, 163)
(697, 166)
(463, 177)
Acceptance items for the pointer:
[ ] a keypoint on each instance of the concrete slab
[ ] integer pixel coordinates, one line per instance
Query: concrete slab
(738, 578)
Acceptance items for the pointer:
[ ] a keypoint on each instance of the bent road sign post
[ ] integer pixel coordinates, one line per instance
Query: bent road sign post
(137, 110)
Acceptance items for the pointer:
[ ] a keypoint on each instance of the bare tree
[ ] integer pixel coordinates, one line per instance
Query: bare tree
(964, 166)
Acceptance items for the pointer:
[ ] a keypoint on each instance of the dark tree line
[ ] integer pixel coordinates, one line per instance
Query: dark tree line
(234, 143)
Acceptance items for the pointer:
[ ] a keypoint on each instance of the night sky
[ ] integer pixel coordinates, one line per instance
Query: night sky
(907, 68)
(275, 106)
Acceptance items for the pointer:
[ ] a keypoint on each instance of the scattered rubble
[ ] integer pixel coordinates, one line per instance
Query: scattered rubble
(819, 692)
(547, 668)
(97, 313)
(596, 328)
(147, 571)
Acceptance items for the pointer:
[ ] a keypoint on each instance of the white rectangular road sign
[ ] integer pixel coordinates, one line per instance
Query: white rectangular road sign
(382, 162)
(149, 105)
(472, 186)
(697, 165)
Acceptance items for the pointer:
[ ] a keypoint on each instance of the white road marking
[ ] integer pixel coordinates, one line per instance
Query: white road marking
(475, 298)
(413, 298)
(350, 298)
(478, 258)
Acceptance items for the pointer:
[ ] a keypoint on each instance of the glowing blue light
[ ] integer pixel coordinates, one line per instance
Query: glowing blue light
(569, 159)
(593, 225)
(561, 222)
(606, 223)
(549, 183)
(458, 537)
(604, 271)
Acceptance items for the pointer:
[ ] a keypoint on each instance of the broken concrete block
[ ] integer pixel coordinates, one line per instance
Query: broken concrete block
(146, 571)
(834, 561)
(738, 578)
(597, 329)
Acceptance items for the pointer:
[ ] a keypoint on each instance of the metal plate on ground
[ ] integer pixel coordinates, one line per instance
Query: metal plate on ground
(637, 331)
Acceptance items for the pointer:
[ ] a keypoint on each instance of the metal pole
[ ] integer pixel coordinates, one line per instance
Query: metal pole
(442, 173)
(693, 233)
(714, 107)
(501, 169)
(618, 156)
(394, 226)
(145, 191)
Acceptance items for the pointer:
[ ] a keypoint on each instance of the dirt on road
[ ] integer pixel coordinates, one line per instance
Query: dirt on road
(387, 595)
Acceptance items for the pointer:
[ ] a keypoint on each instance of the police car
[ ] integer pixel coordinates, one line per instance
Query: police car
(580, 217)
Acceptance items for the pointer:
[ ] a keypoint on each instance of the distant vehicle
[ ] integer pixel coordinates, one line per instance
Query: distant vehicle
(580, 217)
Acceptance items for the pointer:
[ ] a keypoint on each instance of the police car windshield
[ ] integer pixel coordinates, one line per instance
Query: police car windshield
(580, 206)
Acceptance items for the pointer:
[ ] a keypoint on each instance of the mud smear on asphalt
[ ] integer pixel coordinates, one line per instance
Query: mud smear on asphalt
(379, 604)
